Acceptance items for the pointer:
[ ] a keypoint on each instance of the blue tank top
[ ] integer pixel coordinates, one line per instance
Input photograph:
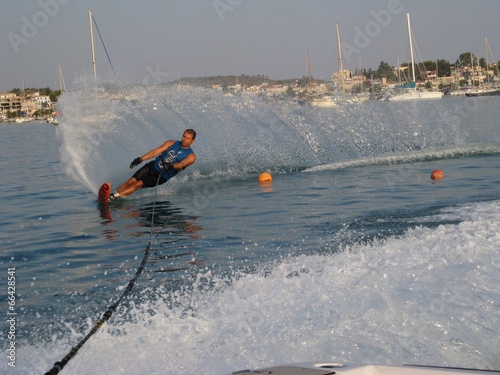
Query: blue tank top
(173, 154)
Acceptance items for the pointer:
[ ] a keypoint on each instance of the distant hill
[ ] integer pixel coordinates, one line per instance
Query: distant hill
(225, 80)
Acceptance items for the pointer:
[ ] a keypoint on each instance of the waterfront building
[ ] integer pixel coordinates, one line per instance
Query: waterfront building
(9, 102)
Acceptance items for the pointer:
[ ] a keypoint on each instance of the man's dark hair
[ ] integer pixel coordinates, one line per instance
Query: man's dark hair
(192, 132)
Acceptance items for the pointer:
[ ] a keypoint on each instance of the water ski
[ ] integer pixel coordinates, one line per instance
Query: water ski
(104, 192)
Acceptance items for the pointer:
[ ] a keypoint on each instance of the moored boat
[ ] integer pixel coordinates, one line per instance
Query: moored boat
(411, 93)
(326, 101)
(416, 95)
(485, 92)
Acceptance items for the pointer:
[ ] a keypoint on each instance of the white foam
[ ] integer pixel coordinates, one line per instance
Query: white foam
(411, 157)
(101, 133)
(429, 296)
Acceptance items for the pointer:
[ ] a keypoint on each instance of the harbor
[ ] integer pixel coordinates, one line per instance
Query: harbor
(470, 75)
(29, 105)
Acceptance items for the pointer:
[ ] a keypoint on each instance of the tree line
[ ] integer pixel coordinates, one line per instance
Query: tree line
(44, 91)
(443, 67)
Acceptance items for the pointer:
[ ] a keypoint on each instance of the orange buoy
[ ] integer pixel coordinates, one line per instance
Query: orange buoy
(265, 177)
(437, 174)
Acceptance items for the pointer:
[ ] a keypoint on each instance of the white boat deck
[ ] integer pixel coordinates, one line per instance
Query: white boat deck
(344, 369)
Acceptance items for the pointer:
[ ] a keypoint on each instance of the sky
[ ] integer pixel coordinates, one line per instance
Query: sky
(154, 41)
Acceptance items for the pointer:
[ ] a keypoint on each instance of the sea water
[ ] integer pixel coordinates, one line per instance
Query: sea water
(351, 254)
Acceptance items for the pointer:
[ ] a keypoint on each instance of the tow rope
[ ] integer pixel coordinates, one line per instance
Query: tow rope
(58, 366)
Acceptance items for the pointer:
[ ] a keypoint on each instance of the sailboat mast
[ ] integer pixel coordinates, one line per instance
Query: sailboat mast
(472, 66)
(341, 68)
(60, 79)
(92, 44)
(309, 74)
(62, 85)
(399, 71)
(486, 52)
(411, 48)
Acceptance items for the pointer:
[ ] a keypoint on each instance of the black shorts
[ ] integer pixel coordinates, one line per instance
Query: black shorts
(149, 175)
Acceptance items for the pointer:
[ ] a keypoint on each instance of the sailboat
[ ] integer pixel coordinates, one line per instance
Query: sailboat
(92, 22)
(333, 100)
(329, 101)
(100, 92)
(484, 92)
(488, 90)
(411, 93)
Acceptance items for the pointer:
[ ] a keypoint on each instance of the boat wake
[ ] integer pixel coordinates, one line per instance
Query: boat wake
(375, 298)
(412, 157)
(102, 132)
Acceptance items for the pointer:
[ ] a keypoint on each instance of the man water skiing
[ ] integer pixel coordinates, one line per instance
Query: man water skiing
(169, 159)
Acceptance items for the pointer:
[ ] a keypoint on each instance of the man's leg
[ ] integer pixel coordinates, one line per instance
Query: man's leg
(129, 187)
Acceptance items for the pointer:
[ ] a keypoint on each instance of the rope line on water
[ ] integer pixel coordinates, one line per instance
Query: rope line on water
(58, 366)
